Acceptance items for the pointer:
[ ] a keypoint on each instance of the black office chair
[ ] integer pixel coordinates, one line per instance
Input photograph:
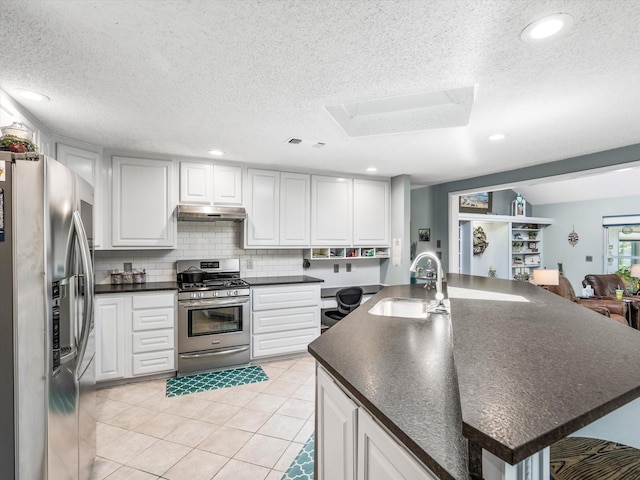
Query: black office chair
(348, 299)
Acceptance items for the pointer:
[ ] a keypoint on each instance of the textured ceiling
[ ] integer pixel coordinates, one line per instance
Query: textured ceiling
(182, 77)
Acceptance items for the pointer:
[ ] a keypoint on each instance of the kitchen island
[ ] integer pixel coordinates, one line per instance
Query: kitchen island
(521, 369)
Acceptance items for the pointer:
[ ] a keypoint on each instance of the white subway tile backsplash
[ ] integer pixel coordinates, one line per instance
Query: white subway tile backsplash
(200, 240)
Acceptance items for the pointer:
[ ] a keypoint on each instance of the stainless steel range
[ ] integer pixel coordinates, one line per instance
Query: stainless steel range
(213, 315)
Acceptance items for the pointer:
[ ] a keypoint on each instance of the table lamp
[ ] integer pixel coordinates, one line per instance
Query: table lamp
(546, 277)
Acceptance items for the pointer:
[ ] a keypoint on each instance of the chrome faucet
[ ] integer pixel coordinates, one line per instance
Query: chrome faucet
(439, 274)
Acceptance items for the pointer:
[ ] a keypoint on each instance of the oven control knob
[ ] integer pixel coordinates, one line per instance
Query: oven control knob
(194, 295)
(201, 294)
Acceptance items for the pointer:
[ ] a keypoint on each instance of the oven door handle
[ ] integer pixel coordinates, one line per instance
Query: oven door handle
(225, 351)
(213, 303)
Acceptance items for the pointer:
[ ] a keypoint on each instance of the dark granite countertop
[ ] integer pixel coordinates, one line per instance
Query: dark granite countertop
(529, 369)
(367, 289)
(263, 281)
(135, 287)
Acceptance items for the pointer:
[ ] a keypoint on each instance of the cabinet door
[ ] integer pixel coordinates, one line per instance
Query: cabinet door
(196, 183)
(110, 337)
(371, 223)
(295, 209)
(381, 457)
(335, 431)
(263, 212)
(227, 185)
(87, 164)
(281, 343)
(285, 296)
(143, 203)
(331, 210)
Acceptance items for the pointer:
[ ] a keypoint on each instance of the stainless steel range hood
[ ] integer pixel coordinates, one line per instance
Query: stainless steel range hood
(207, 213)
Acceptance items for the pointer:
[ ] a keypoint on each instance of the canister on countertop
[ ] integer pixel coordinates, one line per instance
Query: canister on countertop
(140, 276)
(116, 278)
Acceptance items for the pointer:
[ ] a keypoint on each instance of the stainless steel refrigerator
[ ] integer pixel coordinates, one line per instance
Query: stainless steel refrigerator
(47, 343)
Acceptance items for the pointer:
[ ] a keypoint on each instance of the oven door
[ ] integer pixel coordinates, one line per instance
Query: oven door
(212, 324)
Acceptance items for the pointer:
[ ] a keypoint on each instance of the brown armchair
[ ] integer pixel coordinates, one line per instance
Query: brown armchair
(614, 309)
(605, 286)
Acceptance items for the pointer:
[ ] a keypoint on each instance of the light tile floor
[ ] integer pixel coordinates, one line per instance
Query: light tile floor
(250, 432)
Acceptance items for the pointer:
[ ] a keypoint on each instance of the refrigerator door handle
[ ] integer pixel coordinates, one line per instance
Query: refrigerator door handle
(77, 231)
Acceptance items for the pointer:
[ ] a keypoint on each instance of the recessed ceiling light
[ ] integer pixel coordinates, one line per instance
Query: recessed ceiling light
(544, 28)
(497, 136)
(28, 94)
(372, 169)
(217, 153)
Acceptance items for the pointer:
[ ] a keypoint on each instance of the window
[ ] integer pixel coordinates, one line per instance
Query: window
(622, 243)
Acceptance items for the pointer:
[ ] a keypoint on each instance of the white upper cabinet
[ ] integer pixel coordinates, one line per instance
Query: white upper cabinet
(227, 185)
(143, 203)
(331, 210)
(295, 209)
(87, 164)
(263, 201)
(371, 221)
(196, 183)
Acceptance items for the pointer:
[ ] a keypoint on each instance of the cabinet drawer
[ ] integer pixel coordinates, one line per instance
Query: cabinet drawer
(282, 342)
(153, 318)
(153, 301)
(268, 321)
(146, 363)
(286, 297)
(152, 340)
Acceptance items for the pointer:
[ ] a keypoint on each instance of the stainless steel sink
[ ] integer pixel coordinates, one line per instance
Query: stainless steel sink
(402, 307)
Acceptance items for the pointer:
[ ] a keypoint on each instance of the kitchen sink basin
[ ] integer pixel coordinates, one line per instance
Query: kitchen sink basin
(402, 307)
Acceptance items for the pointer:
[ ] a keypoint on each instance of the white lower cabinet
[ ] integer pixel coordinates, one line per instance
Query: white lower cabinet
(110, 337)
(284, 318)
(351, 445)
(135, 335)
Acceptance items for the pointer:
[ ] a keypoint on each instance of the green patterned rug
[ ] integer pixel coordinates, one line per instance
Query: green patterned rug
(302, 467)
(203, 382)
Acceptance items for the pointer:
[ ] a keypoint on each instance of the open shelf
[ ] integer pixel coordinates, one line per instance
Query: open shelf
(349, 253)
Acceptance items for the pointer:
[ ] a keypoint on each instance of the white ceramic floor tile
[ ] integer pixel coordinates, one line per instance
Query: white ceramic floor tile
(262, 450)
(102, 468)
(128, 473)
(305, 392)
(295, 376)
(266, 403)
(111, 408)
(196, 465)
(237, 470)
(191, 432)
(160, 425)
(189, 406)
(225, 441)
(275, 475)
(159, 457)
(273, 372)
(239, 398)
(288, 456)
(282, 388)
(305, 432)
(124, 448)
(218, 413)
(106, 433)
(131, 418)
(247, 419)
(294, 407)
(281, 426)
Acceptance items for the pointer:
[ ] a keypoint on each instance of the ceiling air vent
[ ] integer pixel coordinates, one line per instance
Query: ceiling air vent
(294, 141)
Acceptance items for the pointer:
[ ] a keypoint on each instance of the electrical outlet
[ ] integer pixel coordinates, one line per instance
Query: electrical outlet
(249, 264)
(588, 258)
(336, 267)
(348, 267)
(438, 243)
(127, 267)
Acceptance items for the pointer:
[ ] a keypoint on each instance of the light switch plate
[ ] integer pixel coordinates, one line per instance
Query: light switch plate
(336, 267)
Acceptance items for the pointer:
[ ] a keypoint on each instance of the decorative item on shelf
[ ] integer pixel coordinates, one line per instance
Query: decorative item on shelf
(492, 271)
(573, 237)
(476, 202)
(517, 236)
(521, 274)
(519, 206)
(532, 260)
(17, 138)
(518, 246)
(518, 260)
(532, 247)
(546, 277)
(424, 234)
(480, 243)
(533, 235)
